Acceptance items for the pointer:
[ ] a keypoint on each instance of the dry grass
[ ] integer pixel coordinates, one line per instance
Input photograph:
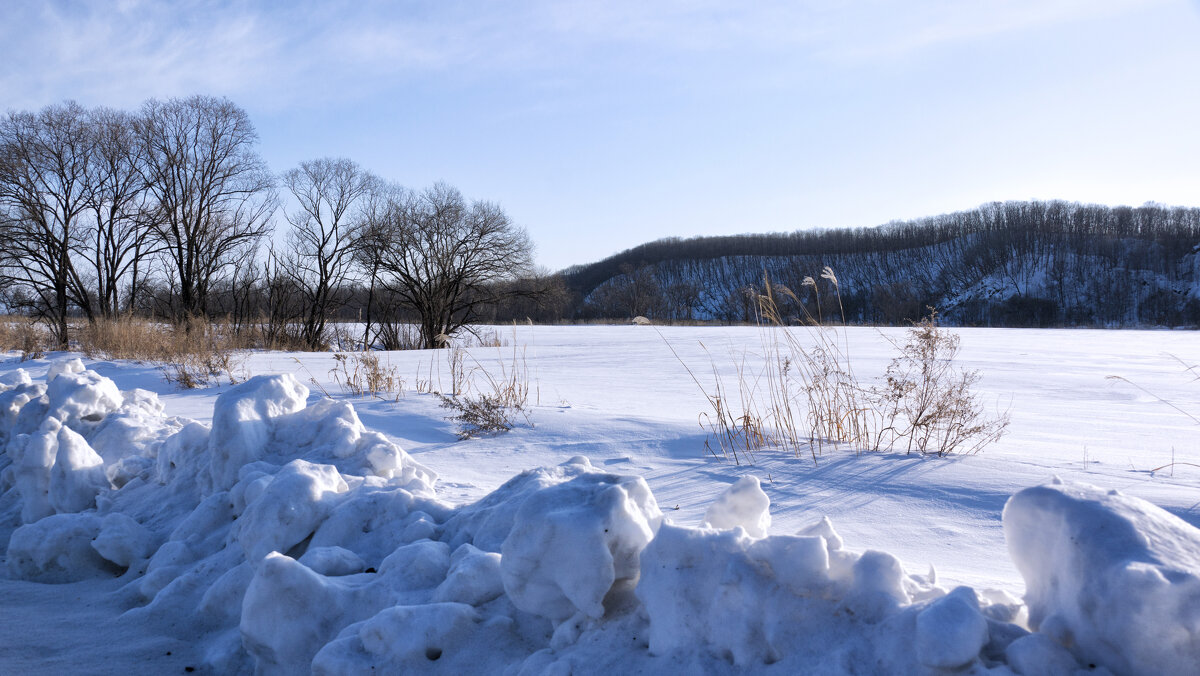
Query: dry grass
(23, 335)
(810, 371)
(798, 394)
(187, 358)
(362, 374)
(738, 432)
(1192, 370)
(801, 392)
(196, 358)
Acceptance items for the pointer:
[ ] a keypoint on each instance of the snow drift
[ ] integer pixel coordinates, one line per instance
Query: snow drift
(289, 538)
(1113, 578)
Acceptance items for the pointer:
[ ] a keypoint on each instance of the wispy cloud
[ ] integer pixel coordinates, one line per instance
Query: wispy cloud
(284, 54)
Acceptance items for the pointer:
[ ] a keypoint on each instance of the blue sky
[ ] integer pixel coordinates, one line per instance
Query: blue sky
(602, 125)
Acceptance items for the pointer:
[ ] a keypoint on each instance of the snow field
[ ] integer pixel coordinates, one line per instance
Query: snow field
(286, 537)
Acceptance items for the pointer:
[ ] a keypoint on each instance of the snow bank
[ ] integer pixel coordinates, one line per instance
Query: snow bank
(1112, 578)
(287, 538)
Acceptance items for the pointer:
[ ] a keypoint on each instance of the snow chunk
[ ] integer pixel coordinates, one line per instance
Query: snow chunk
(572, 541)
(77, 475)
(824, 528)
(1039, 655)
(474, 577)
(184, 454)
(33, 455)
(487, 523)
(64, 366)
(265, 419)
(951, 631)
(370, 524)
(742, 504)
(758, 601)
(13, 401)
(878, 584)
(290, 508)
(123, 540)
(81, 397)
(446, 638)
(333, 561)
(55, 471)
(57, 549)
(132, 428)
(417, 634)
(222, 602)
(290, 611)
(703, 587)
(241, 423)
(330, 431)
(420, 565)
(14, 379)
(1114, 579)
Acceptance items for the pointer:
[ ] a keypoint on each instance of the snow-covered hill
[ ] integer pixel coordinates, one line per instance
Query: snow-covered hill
(1010, 264)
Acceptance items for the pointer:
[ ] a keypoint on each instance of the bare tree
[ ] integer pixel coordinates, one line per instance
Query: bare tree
(443, 258)
(370, 244)
(117, 202)
(44, 187)
(333, 198)
(213, 195)
(283, 303)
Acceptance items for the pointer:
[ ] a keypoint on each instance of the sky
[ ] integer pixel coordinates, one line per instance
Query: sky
(602, 125)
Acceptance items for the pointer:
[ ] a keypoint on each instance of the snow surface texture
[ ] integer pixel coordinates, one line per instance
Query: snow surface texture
(288, 538)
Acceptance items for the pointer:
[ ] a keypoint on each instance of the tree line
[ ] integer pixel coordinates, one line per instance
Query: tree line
(1032, 263)
(169, 212)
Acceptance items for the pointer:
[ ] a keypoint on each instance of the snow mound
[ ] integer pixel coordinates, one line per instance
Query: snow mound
(265, 419)
(287, 538)
(951, 632)
(1114, 579)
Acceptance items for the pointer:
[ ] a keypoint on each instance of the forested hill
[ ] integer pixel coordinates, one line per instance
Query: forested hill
(1002, 264)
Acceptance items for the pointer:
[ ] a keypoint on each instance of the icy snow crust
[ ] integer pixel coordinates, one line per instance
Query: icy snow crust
(288, 538)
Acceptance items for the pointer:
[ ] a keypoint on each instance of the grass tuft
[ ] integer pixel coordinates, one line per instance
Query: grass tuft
(801, 392)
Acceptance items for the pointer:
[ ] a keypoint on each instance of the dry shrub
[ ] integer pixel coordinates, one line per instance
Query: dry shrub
(486, 403)
(23, 335)
(393, 336)
(926, 403)
(478, 415)
(487, 337)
